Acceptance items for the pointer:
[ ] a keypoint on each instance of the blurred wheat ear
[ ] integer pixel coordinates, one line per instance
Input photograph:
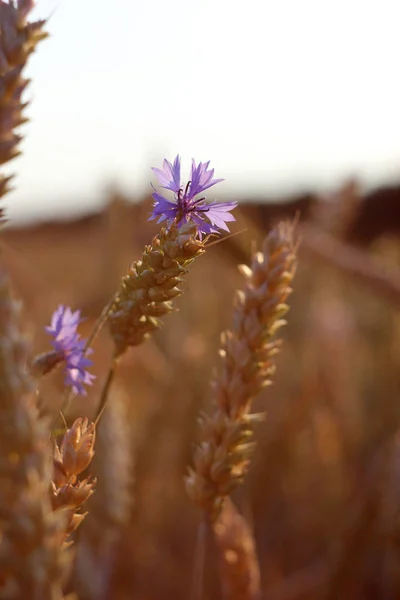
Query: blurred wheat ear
(239, 569)
(32, 564)
(110, 507)
(18, 39)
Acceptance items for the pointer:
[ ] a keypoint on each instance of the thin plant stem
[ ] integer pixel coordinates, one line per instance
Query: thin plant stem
(99, 323)
(199, 560)
(226, 237)
(68, 395)
(64, 421)
(106, 389)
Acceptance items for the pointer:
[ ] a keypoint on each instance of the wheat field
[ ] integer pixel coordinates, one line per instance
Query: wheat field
(225, 423)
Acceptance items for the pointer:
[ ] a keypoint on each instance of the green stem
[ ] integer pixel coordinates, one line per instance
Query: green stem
(106, 389)
(100, 322)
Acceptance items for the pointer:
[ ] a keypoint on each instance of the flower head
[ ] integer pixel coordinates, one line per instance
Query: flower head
(67, 343)
(209, 217)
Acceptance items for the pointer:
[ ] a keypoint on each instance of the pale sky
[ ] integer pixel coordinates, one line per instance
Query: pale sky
(280, 95)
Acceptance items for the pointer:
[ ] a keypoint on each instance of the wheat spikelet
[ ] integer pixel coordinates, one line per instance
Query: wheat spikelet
(110, 507)
(31, 563)
(18, 39)
(248, 353)
(147, 291)
(71, 458)
(239, 569)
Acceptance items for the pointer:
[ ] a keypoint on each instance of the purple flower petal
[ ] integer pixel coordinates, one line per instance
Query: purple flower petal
(201, 179)
(209, 217)
(170, 175)
(162, 205)
(67, 342)
(219, 215)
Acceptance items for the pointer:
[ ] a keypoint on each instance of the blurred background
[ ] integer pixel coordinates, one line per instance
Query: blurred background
(296, 105)
(280, 96)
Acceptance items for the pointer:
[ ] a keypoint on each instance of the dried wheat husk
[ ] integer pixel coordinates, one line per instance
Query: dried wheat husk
(70, 459)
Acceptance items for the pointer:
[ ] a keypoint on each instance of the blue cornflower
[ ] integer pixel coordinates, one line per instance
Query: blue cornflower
(67, 343)
(186, 208)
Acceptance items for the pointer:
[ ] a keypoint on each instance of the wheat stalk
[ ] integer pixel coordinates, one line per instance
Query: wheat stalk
(247, 352)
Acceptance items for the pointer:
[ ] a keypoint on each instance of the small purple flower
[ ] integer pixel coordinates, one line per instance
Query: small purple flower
(186, 208)
(67, 343)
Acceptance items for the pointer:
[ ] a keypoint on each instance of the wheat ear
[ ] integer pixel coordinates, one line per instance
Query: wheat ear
(18, 39)
(32, 564)
(248, 352)
(147, 291)
(145, 294)
(71, 458)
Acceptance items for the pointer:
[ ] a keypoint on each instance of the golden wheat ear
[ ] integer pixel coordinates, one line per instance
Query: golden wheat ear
(147, 291)
(68, 491)
(248, 353)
